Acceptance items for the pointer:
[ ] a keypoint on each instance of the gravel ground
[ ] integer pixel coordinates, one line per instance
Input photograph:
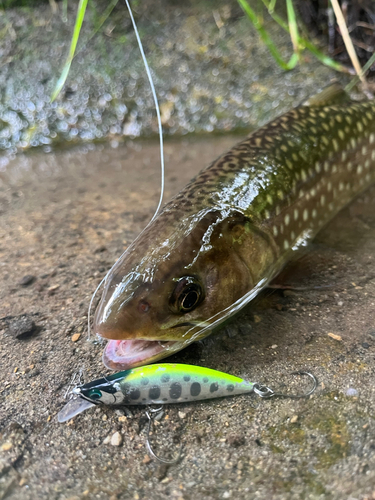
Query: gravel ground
(64, 218)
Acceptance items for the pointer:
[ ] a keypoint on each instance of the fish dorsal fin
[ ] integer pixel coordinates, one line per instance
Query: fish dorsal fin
(333, 94)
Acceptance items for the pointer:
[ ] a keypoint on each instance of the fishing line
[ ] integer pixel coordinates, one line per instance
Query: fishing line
(149, 76)
(162, 169)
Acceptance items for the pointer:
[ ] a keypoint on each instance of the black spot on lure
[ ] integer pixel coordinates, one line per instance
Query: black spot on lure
(231, 230)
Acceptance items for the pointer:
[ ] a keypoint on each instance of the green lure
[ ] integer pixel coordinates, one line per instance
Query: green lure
(155, 384)
(164, 383)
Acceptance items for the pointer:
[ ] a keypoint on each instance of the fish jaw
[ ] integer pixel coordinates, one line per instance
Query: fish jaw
(126, 354)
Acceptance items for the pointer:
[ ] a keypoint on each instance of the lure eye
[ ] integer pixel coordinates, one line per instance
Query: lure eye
(94, 394)
(187, 295)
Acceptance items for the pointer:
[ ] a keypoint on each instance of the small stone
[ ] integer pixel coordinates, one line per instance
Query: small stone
(104, 418)
(352, 392)
(27, 280)
(52, 289)
(334, 336)
(107, 440)
(236, 440)
(76, 337)
(181, 414)
(294, 419)
(100, 249)
(22, 482)
(146, 460)
(274, 346)
(116, 439)
(257, 319)
(365, 345)
(7, 446)
(22, 327)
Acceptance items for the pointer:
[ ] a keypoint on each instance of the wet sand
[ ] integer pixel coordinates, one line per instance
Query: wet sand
(64, 219)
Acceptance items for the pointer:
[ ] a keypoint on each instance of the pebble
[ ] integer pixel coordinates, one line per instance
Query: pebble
(52, 289)
(75, 337)
(294, 419)
(236, 440)
(116, 439)
(181, 414)
(27, 280)
(334, 336)
(7, 446)
(352, 392)
(22, 327)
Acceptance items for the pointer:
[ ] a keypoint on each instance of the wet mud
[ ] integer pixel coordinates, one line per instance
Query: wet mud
(64, 219)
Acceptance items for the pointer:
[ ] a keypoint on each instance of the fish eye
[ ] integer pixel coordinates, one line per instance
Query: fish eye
(187, 294)
(94, 394)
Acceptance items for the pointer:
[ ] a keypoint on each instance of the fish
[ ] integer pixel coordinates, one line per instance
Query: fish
(231, 230)
(157, 384)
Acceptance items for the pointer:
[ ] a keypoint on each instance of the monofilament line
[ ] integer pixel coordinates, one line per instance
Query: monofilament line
(156, 108)
(160, 128)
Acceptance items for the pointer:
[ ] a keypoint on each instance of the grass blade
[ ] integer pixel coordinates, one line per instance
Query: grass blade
(266, 38)
(323, 58)
(77, 28)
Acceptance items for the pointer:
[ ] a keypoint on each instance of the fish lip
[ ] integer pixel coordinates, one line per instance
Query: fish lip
(127, 354)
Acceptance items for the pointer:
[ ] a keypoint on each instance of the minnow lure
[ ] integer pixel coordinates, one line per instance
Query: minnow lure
(163, 384)
(231, 230)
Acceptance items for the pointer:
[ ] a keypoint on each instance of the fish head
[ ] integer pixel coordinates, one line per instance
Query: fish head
(177, 282)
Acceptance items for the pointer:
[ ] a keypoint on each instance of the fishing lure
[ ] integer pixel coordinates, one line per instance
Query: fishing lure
(164, 383)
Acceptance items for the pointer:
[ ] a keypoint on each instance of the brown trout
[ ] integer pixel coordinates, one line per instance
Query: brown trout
(231, 230)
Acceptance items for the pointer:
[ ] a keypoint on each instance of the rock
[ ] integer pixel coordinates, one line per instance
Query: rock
(22, 327)
(76, 337)
(116, 439)
(27, 280)
(236, 440)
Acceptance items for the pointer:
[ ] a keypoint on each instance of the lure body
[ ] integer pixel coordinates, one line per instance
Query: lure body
(156, 384)
(229, 232)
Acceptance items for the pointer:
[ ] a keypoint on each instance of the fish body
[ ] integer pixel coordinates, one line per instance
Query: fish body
(233, 227)
(155, 384)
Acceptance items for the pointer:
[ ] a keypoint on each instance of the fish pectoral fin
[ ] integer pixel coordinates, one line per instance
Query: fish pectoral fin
(332, 94)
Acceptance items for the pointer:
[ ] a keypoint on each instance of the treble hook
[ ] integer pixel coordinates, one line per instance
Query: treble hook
(77, 379)
(148, 444)
(266, 392)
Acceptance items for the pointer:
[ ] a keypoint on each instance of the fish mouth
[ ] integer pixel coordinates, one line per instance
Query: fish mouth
(127, 354)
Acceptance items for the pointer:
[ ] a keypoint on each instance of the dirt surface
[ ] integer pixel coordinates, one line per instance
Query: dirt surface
(64, 219)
